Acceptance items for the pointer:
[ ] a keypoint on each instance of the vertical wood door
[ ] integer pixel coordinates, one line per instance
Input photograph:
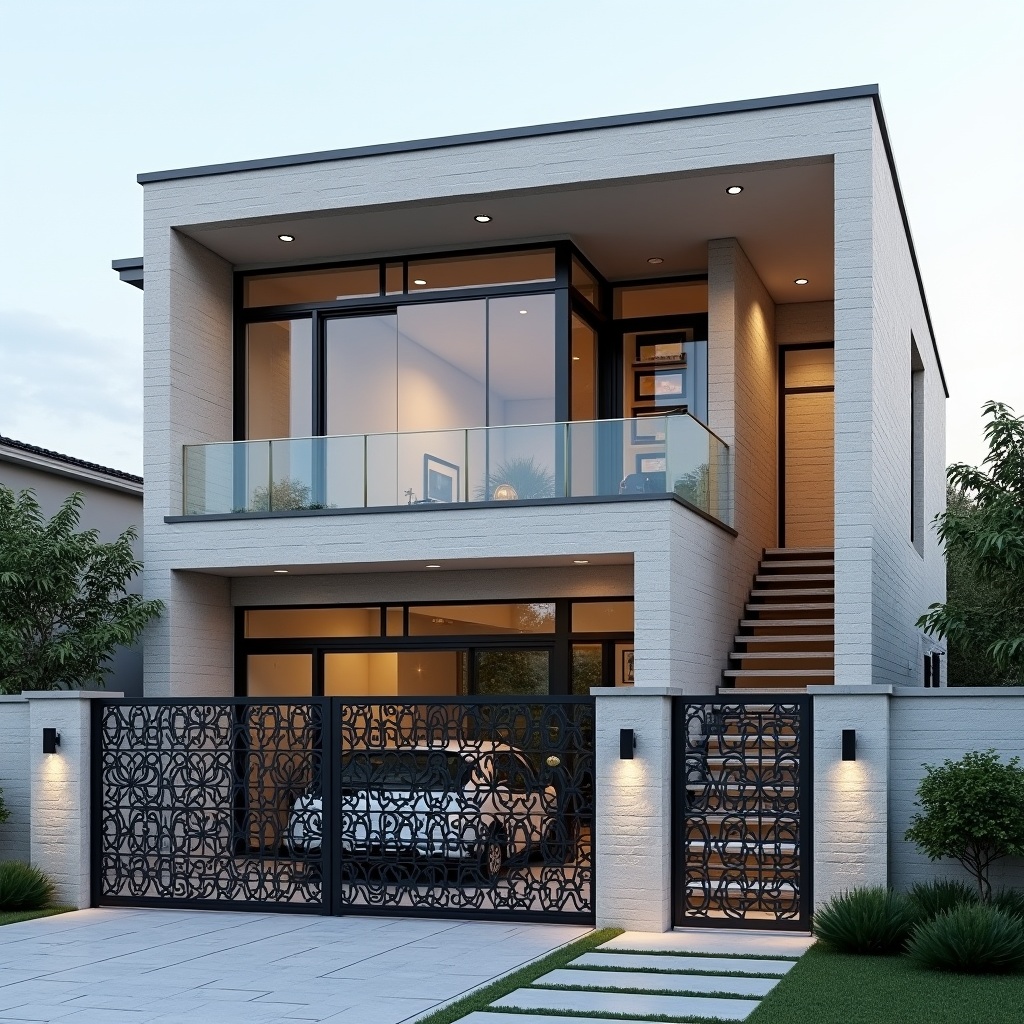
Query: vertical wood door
(807, 448)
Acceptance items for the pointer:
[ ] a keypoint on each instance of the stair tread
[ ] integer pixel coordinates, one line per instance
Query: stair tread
(802, 563)
(798, 606)
(791, 592)
(770, 552)
(736, 673)
(793, 577)
(791, 638)
(788, 623)
(803, 655)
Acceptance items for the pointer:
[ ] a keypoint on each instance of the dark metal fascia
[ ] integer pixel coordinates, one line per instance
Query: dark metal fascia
(532, 131)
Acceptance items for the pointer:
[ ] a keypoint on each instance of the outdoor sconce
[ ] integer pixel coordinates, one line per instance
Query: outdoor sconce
(627, 744)
(51, 741)
(849, 744)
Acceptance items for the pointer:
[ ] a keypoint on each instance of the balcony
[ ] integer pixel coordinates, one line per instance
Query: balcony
(665, 456)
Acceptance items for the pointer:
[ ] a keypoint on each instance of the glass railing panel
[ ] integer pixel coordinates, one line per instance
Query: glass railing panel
(209, 479)
(296, 477)
(600, 458)
(345, 477)
(520, 462)
(698, 469)
(382, 472)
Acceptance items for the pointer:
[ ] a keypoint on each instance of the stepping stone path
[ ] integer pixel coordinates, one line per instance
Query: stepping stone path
(680, 975)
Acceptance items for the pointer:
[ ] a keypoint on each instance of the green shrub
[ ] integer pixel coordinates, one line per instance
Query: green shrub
(1010, 901)
(23, 887)
(933, 898)
(4, 812)
(970, 939)
(871, 921)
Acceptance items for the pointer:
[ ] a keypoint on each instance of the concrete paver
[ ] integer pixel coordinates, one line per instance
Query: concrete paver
(224, 967)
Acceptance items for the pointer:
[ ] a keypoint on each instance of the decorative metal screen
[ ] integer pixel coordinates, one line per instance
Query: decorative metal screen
(742, 796)
(343, 805)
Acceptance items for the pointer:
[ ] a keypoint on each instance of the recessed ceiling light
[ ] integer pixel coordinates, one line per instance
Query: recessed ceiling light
(286, 238)
(433, 566)
(482, 218)
(655, 260)
(575, 359)
(581, 561)
(800, 280)
(734, 190)
(419, 280)
(280, 571)
(522, 312)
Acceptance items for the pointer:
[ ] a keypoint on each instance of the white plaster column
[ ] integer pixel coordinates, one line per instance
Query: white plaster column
(634, 810)
(60, 803)
(851, 798)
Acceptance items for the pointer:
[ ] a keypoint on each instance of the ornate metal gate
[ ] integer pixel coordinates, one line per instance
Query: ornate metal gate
(462, 807)
(742, 818)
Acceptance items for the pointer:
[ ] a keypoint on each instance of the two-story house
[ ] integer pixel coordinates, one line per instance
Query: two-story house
(523, 411)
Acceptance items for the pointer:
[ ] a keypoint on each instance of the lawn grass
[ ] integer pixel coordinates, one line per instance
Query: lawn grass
(483, 997)
(15, 916)
(837, 988)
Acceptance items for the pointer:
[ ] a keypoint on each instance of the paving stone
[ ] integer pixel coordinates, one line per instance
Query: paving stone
(709, 940)
(680, 1007)
(666, 962)
(483, 1017)
(674, 982)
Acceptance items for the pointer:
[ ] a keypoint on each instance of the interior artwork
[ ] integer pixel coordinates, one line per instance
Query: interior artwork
(655, 431)
(440, 480)
(656, 462)
(664, 347)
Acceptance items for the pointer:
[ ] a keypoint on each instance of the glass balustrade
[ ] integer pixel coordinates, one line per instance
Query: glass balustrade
(648, 455)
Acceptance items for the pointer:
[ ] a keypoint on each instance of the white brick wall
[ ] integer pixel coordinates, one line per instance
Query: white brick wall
(14, 778)
(928, 728)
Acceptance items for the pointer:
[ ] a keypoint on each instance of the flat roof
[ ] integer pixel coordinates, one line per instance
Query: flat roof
(132, 271)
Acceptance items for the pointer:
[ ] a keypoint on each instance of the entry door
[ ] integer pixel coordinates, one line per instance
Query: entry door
(807, 447)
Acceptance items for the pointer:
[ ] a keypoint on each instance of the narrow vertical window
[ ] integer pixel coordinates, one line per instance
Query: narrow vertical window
(916, 448)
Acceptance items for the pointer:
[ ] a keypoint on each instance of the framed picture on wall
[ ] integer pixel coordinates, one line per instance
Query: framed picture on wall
(440, 479)
(627, 667)
(653, 462)
(659, 385)
(653, 432)
(664, 347)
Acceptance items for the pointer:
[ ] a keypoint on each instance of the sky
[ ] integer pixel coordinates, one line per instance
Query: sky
(93, 93)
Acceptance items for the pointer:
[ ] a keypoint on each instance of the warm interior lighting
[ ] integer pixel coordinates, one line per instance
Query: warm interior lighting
(734, 190)
(419, 280)
(505, 492)
(655, 260)
(482, 218)
(627, 744)
(581, 561)
(51, 741)
(286, 238)
(801, 280)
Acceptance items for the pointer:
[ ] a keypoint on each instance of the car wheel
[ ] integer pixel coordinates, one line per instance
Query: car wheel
(560, 842)
(491, 855)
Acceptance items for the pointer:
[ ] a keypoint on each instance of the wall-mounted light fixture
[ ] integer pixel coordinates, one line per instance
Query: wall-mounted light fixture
(849, 744)
(627, 744)
(51, 741)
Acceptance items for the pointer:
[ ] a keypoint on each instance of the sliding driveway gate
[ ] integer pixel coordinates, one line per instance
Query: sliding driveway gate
(742, 816)
(460, 807)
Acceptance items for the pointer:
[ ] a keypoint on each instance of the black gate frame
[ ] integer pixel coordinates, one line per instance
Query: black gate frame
(331, 902)
(804, 704)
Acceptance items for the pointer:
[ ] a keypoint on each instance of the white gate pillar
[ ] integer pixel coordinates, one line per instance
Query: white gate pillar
(60, 804)
(633, 812)
(851, 797)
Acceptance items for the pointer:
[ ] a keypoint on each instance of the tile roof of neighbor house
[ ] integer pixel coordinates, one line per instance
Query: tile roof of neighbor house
(70, 460)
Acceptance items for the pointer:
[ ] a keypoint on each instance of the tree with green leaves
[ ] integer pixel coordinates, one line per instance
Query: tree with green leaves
(972, 810)
(983, 533)
(64, 605)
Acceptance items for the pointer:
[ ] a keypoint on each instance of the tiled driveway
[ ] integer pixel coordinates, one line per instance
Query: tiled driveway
(190, 967)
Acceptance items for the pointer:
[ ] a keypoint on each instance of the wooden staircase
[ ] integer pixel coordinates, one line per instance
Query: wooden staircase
(786, 639)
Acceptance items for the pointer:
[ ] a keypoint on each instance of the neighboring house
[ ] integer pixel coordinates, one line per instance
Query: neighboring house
(397, 317)
(635, 407)
(112, 503)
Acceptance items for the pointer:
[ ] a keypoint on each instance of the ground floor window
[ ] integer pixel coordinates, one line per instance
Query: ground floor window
(493, 648)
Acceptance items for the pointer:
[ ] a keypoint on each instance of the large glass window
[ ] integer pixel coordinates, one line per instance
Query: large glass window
(473, 619)
(361, 374)
(303, 286)
(279, 379)
(584, 370)
(521, 354)
(279, 675)
(660, 299)
(395, 674)
(312, 622)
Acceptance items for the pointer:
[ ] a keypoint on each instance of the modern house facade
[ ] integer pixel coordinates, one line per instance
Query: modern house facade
(440, 299)
(551, 476)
